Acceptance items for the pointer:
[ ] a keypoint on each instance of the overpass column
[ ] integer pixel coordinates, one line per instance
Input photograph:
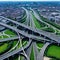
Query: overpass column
(58, 44)
(44, 40)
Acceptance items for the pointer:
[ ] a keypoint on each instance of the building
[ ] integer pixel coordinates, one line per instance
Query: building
(55, 17)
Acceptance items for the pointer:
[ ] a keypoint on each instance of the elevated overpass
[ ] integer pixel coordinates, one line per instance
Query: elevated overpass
(17, 51)
(41, 54)
(47, 37)
(45, 34)
(24, 34)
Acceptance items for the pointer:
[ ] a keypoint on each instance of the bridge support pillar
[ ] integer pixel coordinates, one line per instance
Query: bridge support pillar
(58, 44)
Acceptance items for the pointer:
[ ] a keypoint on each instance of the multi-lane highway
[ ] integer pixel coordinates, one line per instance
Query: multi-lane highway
(38, 38)
(41, 54)
(9, 39)
(29, 25)
(46, 34)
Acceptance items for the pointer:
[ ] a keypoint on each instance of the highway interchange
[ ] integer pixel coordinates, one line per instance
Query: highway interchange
(27, 26)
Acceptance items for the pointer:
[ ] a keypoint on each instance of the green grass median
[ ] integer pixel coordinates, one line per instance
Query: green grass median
(49, 29)
(5, 46)
(37, 23)
(32, 54)
(53, 51)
